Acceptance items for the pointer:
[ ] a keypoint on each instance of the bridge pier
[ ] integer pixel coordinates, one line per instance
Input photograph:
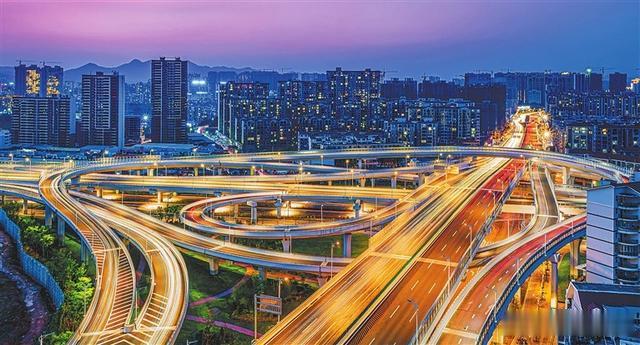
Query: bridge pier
(329, 183)
(278, 205)
(574, 255)
(566, 175)
(346, 245)
(84, 251)
(262, 272)
(150, 172)
(394, 181)
(252, 171)
(421, 178)
(321, 281)
(373, 182)
(25, 205)
(360, 163)
(219, 171)
(363, 181)
(554, 259)
(61, 230)
(159, 197)
(254, 211)
(236, 211)
(214, 266)
(357, 206)
(287, 245)
(99, 192)
(2, 201)
(196, 171)
(48, 217)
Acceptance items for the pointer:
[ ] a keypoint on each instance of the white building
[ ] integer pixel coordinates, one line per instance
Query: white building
(613, 234)
(5, 138)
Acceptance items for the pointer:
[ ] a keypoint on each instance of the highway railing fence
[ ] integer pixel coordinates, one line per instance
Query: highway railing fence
(532, 261)
(32, 267)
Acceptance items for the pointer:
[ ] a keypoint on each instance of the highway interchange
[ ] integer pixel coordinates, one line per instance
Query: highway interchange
(411, 283)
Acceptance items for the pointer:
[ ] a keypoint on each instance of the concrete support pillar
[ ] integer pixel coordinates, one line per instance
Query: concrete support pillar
(420, 179)
(60, 230)
(574, 255)
(25, 205)
(150, 172)
(138, 172)
(48, 217)
(262, 273)
(554, 259)
(286, 244)
(394, 181)
(236, 211)
(566, 173)
(196, 171)
(84, 252)
(254, 211)
(360, 163)
(3, 199)
(357, 206)
(373, 182)
(252, 171)
(214, 266)
(99, 192)
(219, 171)
(346, 245)
(321, 281)
(159, 196)
(278, 205)
(329, 183)
(363, 181)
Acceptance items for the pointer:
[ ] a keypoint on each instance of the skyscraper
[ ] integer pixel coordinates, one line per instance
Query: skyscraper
(617, 82)
(40, 120)
(169, 101)
(38, 81)
(102, 121)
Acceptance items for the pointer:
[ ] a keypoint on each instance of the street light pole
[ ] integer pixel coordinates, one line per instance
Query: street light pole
(417, 309)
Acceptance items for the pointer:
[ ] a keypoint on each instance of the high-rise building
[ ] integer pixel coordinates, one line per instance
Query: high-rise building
(38, 80)
(352, 94)
(169, 101)
(613, 242)
(102, 119)
(588, 82)
(617, 82)
(396, 88)
(237, 101)
(40, 120)
(474, 79)
(132, 130)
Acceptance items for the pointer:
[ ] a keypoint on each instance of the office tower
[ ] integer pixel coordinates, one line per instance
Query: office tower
(396, 88)
(438, 89)
(38, 81)
(492, 103)
(617, 82)
(102, 119)
(613, 220)
(132, 130)
(40, 120)
(169, 101)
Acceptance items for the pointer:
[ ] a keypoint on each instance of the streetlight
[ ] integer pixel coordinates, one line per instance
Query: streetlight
(27, 159)
(11, 156)
(41, 338)
(416, 307)
(321, 213)
(333, 245)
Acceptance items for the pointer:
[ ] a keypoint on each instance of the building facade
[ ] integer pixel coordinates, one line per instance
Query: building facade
(103, 102)
(38, 80)
(169, 100)
(613, 234)
(40, 121)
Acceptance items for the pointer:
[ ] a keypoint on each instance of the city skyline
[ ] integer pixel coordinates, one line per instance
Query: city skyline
(405, 39)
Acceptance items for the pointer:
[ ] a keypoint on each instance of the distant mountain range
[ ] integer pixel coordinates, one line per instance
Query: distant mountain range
(134, 71)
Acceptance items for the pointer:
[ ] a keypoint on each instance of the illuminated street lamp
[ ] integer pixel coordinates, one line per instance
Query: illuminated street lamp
(27, 159)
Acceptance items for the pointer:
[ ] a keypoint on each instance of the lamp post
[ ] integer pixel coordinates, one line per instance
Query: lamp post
(321, 213)
(333, 245)
(416, 307)
(42, 336)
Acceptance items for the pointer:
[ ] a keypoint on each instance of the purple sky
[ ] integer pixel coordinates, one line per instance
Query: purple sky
(411, 37)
